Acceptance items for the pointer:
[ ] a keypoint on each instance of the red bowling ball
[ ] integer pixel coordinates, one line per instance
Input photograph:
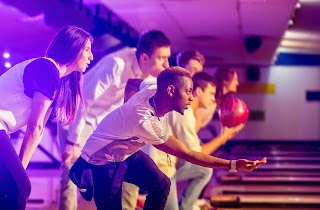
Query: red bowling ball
(233, 111)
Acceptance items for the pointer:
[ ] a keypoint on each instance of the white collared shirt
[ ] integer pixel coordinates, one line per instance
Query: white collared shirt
(103, 90)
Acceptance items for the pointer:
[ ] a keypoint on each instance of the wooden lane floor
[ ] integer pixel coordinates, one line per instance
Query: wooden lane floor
(272, 148)
(292, 173)
(289, 180)
(267, 201)
(271, 179)
(231, 188)
(283, 158)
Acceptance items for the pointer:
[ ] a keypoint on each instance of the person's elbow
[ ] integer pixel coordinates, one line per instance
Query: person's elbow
(35, 129)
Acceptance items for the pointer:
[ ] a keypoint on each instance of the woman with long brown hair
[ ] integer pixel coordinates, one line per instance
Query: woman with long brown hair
(227, 82)
(30, 90)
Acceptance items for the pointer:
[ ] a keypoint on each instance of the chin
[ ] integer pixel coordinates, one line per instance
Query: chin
(180, 112)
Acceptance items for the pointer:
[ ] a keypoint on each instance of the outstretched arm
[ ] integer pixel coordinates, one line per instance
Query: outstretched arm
(226, 134)
(176, 147)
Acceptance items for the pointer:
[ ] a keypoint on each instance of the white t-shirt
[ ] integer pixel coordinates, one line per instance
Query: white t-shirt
(125, 131)
(183, 127)
(18, 85)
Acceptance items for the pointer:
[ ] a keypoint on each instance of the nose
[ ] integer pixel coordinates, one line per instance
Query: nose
(191, 97)
(91, 56)
(166, 64)
(213, 98)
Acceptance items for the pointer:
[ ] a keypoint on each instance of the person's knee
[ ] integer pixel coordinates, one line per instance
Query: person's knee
(25, 190)
(166, 184)
(207, 173)
(21, 193)
(162, 185)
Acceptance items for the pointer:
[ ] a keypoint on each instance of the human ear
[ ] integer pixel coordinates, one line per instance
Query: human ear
(144, 57)
(170, 90)
(198, 91)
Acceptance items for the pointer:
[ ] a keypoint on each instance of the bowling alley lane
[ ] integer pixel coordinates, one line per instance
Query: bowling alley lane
(290, 179)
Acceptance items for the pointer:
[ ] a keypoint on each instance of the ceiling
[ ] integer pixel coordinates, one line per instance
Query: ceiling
(217, 28)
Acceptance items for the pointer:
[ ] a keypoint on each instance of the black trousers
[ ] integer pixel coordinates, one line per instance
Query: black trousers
(15, 186)
(139, 169)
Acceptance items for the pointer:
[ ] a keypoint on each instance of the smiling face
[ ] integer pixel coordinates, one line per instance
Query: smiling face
(157, 61)
(182, 95)
(84, 57)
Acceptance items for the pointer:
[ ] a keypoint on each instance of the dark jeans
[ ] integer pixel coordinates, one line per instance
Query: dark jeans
(15, 186)
(139, 169)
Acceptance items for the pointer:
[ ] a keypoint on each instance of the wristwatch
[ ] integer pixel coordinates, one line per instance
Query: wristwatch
(233, 166)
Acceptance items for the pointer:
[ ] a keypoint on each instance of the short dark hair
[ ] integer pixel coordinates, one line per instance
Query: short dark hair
(150, 41)
(171, 76)
(202, 79)
(185, 56)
